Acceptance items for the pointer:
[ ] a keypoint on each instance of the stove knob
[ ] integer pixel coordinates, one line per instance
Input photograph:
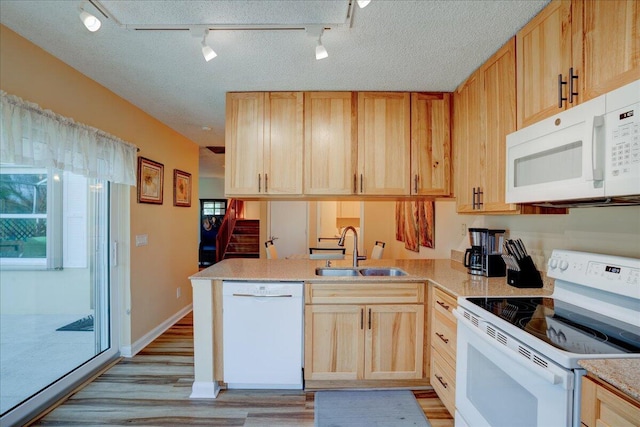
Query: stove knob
(564, 265)
(553, 263)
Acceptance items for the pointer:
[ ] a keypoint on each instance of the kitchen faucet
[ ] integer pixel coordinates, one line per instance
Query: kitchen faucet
(356, 258)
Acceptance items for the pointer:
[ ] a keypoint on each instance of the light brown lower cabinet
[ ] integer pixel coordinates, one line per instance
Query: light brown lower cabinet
(443, 346)
(605, 406)
(360, 338)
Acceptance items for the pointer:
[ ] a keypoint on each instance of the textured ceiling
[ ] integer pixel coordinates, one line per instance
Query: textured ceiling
(402, 45)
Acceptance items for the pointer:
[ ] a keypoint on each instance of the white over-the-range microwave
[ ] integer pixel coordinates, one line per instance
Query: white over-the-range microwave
(588, 155)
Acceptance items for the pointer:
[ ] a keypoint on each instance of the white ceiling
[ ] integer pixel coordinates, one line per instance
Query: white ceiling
(401, 45)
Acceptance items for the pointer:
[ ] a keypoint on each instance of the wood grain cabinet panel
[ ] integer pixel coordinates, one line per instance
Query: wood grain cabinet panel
(610, 44)
(431, 144)
(369, 340)
(544, 49)
(604, 406)
(443, 346)
(468, 143)
(264, 134)
(393, 341)
(330, 138)
(384, 131)
(334, 342)
(596, 42)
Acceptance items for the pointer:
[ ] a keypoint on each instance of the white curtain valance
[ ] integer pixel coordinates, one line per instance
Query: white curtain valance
(32, 136)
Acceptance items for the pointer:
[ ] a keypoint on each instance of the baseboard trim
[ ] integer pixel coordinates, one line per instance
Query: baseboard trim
(204, 390)
(132, 350)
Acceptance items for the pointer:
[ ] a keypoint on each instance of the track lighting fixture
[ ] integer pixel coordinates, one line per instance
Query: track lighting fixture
(321, 51)
(201, 33)
(91, 22)
(316, 31)
(363, 3)
(207, 51)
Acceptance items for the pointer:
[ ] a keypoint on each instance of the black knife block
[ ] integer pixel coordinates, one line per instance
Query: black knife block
(527, 277)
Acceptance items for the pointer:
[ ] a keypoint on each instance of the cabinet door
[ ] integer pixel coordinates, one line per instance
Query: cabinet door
(244, 134)
(283, 143)
(384, 125)
(430, 144)
(469, 142)
(330, 132)
(499, 107)
(334, 342)
(611, 38)
(604, 406)
(394, 337)
(544, 52)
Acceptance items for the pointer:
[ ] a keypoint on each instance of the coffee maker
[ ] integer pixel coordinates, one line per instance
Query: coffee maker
(484, 257)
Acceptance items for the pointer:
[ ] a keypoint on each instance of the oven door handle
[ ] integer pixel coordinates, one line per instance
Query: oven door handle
(546, 374)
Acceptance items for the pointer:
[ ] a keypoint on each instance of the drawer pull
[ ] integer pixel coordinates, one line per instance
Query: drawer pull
(443, 305)
(444, 384)
(441, 336)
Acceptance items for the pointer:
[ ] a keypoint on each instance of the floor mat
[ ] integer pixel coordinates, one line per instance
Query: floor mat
(84, 324)
(368, 408)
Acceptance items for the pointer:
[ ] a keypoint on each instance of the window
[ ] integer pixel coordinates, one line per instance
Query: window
(214, 207)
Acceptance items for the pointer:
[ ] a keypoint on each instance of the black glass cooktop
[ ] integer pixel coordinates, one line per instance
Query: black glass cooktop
(565, 326)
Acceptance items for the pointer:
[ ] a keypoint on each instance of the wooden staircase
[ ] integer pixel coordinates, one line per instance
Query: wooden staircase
(245, 240)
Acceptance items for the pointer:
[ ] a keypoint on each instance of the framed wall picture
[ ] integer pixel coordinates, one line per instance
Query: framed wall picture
(150, 181)
(181, 188)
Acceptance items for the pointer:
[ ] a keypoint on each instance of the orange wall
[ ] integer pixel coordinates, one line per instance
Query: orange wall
(172, 253)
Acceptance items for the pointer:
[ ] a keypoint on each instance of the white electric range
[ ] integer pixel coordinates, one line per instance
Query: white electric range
(517, 357)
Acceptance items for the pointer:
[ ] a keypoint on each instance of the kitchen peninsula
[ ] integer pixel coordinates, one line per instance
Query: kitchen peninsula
(446, 275)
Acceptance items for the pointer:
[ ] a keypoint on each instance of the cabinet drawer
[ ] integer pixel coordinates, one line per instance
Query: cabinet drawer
(443, 336)
(444, 303)
(443, 382)
(364, 293)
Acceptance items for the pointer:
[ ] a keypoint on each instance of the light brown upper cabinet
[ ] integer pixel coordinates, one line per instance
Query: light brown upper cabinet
(468, 143)
(264, 134)
(498, 103)
(611, 44)
(330, 136)
(430, 144)
(575, 50)
(384, 143)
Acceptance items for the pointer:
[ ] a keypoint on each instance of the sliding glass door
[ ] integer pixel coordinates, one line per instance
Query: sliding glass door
(55, 301)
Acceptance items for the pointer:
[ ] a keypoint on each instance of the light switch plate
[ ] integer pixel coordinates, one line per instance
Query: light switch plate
(142, 239)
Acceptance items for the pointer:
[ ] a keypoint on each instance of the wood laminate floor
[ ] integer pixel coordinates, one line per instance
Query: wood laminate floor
(153, 387)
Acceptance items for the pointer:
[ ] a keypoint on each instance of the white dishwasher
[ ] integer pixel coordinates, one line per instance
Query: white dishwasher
(262, 334)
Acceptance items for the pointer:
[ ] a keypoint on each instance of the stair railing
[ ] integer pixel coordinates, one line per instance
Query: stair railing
(235, 210)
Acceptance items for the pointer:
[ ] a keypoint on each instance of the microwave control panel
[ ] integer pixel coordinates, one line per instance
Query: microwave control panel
(623, 150)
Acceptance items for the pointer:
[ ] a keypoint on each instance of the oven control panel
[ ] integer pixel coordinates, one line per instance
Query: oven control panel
(611, 273)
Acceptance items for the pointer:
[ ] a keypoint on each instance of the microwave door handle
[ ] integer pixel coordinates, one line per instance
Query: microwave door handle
(547, 375)
(596, 149)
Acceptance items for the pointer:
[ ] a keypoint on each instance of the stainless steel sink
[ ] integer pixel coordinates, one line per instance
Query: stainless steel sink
(373, 271)
(336, 272)
(352, 272)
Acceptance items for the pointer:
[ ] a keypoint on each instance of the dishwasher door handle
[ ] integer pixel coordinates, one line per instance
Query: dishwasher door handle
(264, 296)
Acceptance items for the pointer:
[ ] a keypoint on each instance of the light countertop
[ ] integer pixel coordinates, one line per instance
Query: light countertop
(624, 374)
(449, 275)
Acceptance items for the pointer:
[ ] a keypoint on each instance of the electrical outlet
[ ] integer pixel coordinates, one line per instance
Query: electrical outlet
(463, 229)
(142, 239)
(178, 292)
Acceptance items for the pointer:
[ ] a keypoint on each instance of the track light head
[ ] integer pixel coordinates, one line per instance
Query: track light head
(91, 22)
(316, 32)
(207, 52)
(321, 51)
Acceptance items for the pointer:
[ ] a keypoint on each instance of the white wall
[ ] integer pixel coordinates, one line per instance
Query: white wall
(211, 188)
(608, 230)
